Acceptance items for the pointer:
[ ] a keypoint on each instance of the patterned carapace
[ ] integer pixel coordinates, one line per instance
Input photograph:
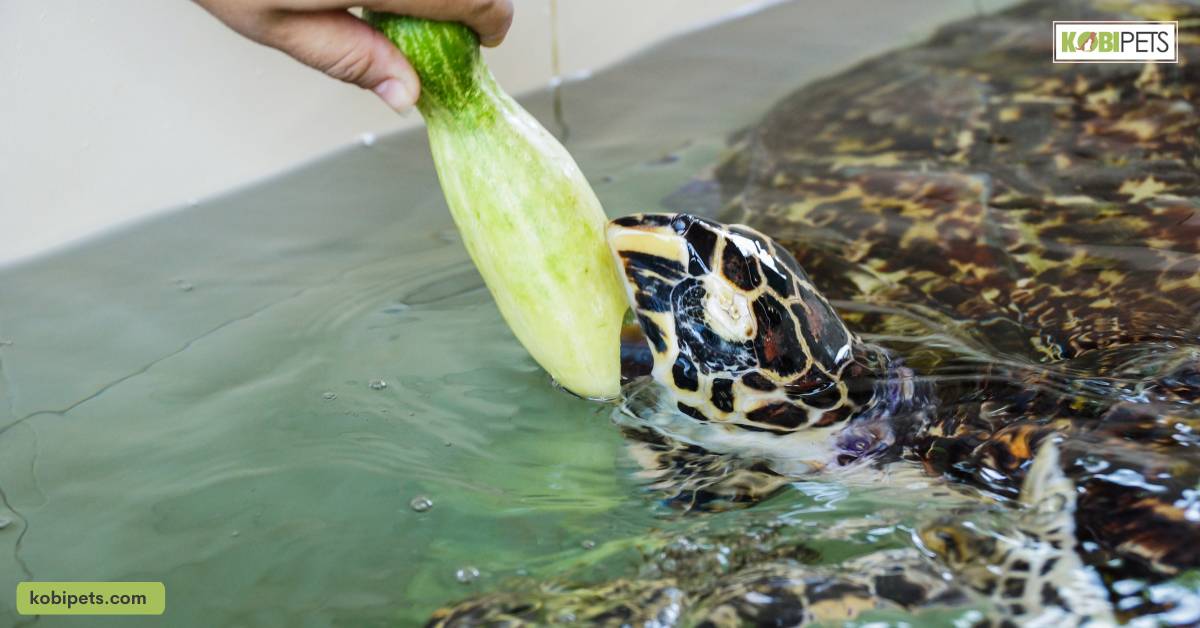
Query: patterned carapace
(1023, 236)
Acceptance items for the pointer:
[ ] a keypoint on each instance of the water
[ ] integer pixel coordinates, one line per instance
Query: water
(194, 399)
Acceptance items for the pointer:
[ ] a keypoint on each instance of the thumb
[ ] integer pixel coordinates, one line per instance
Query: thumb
(347, 49)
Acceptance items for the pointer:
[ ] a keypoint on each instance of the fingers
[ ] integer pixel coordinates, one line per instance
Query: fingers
(489, 18)
(348, 49)
(322, 34)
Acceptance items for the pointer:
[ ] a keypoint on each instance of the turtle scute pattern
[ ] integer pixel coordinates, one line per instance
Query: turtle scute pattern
(777, 591)
(1042, 222)
(972, 177)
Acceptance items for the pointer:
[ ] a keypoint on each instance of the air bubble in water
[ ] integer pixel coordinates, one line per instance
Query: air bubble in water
(184, 285)
(5, 522)
(367, 139)
(329, 395)
(377, 384)
(588, 544)
(467, 575)
(420, 503)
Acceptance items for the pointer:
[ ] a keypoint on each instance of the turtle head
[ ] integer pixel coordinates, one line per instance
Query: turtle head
(737, 331)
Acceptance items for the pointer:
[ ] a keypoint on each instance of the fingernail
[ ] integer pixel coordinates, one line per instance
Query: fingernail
(395, 93)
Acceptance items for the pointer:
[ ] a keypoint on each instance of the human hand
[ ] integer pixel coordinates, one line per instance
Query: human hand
(324, 35)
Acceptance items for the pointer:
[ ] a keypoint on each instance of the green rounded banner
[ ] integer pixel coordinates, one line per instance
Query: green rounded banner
(91, 598)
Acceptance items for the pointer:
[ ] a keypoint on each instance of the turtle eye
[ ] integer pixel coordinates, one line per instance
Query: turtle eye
(681, 224)
(856, 441)
(854, 444)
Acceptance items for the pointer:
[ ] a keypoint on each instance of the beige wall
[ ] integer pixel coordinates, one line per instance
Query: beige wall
(113, 110)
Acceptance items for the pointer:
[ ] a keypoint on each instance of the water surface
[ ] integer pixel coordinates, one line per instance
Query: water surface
(241, 399)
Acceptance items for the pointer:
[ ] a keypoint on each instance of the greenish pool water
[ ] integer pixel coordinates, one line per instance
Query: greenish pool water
(244, 398)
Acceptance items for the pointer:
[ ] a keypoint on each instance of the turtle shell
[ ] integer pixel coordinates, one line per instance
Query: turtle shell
(1057, 203)
(1026, 235)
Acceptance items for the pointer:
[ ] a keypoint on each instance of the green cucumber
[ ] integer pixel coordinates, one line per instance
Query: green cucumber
(527, 215)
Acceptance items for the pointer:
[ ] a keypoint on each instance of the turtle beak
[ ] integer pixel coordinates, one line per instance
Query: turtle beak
(646, 242)
(652, 259)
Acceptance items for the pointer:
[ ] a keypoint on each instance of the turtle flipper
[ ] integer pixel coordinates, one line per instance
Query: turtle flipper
(1049, 498)
(1029, 569)
(1047, 490)
(1136, 468)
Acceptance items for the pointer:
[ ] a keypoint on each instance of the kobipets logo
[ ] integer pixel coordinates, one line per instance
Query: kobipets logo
(1116, 42)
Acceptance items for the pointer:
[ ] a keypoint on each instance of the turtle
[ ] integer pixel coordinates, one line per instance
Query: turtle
(942, 259)
(965, 257)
